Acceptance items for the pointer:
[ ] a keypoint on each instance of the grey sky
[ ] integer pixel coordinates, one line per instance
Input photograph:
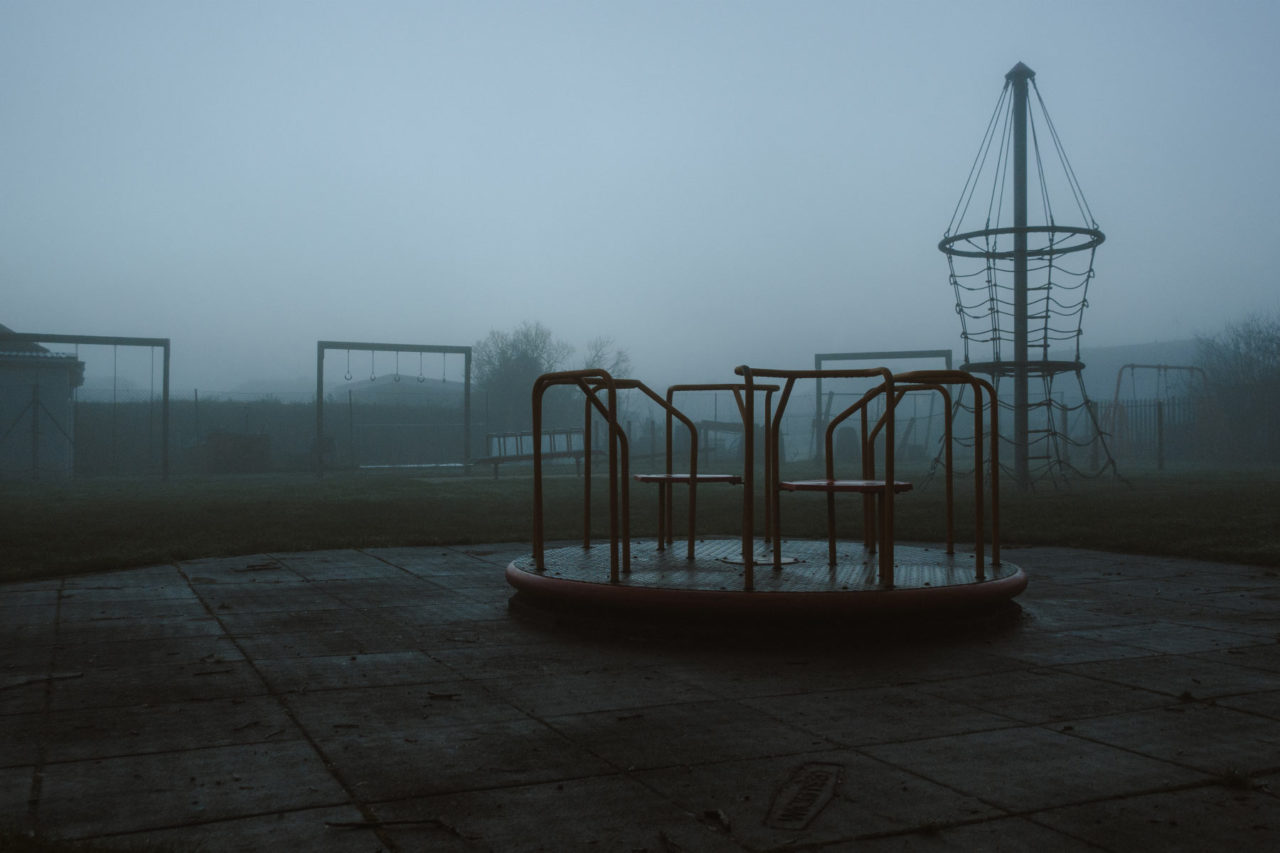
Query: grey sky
(708, 183)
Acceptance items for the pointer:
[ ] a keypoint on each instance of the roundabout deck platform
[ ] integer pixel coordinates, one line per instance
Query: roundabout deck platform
(927, 580)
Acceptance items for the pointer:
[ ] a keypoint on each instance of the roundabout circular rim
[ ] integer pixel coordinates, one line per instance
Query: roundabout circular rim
(636, 598)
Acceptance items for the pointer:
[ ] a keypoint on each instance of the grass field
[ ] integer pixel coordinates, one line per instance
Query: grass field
(98, 524)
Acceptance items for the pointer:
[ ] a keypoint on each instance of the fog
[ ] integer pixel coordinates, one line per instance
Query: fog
(708, 183)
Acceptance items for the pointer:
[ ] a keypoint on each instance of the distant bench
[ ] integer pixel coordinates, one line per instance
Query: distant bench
(506, 447)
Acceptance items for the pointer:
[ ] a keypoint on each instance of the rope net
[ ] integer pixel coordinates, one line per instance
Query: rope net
(984, 257)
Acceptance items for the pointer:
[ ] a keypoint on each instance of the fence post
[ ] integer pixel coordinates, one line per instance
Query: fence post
(1159, 435)
(351, 431)
(35, 431)
(1093, 445)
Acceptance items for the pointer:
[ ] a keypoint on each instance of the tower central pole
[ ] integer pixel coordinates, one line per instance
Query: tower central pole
(1018, 77)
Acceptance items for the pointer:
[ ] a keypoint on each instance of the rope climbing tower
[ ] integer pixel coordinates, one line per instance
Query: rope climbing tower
(1022, 286)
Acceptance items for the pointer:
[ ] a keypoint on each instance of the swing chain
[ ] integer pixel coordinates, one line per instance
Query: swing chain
(348, 374)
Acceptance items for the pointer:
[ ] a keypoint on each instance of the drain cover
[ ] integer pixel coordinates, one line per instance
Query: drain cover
(804, 795)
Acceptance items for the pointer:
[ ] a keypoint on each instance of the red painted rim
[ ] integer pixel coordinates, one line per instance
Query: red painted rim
(739, 602)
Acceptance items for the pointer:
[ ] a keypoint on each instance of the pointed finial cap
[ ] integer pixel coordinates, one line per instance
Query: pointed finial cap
(1020, 71)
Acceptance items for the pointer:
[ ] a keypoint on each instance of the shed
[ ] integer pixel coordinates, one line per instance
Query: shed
(37, 410)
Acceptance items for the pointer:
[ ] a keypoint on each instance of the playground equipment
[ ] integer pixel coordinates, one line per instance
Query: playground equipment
(911, 432)
(1143, 422)
(770, 576)
(38, 412)
(397, 349)
(1021, 288)
(669, 478)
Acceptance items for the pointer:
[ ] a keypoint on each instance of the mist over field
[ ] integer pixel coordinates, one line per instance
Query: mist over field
(706, 184)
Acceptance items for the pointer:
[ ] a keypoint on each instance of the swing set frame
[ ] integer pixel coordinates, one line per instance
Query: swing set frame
(373, 347)
(113, 341)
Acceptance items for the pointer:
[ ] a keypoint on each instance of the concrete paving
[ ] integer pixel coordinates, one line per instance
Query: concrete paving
(388, 699)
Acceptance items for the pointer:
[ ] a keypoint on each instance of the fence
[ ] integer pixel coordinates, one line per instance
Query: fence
(1156, 432)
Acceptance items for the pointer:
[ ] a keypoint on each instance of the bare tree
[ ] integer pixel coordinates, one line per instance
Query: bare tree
(1242, 369)
(1245, 353)
(507, 363)
(602, 353)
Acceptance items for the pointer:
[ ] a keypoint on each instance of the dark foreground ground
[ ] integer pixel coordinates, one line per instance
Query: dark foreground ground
(389, 699)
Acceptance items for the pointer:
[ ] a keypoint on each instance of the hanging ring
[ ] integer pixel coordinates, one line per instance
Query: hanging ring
(373, 373)
(348, 374)
(396, 376)
(421, 378)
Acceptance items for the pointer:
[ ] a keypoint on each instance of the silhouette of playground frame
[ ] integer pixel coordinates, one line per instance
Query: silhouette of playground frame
(115, 341)
(372, 346)
(875, 357)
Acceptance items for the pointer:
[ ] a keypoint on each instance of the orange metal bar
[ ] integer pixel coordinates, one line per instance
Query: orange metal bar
(870, 500)
(886, 500)
(772, 453)
(586, 473)
(748, 478)
(694, 478)
(984, 398)
(617, 442)
(619, 454)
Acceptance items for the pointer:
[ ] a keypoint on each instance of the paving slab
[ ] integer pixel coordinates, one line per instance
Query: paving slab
(880, 714)
(1031, 768)
(399, 709)
(674, 735)
(15, 793)
(1044, 696)
(1210, 817)
(536, 657)
(1169, 637)
(123, 686)
(82, 799)
(326, 829)
(606, 688)
(393, 699)
(233, 600)
(171, 727)
(774, 803)
(342, 671)
(21, 742)
(1194, 676)
(1209, 737)
(448, 759)
(25, 689)
(1008, 835)
(27, 627)
(156, 628)
(1265, 656)
(20, 596)
(114, 599)
(1051, 648)
(601, 813)
(305, 618)
(1261, 704)
(85, 653)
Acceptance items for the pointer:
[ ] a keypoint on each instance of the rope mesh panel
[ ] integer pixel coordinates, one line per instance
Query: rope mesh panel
(1063, 436)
